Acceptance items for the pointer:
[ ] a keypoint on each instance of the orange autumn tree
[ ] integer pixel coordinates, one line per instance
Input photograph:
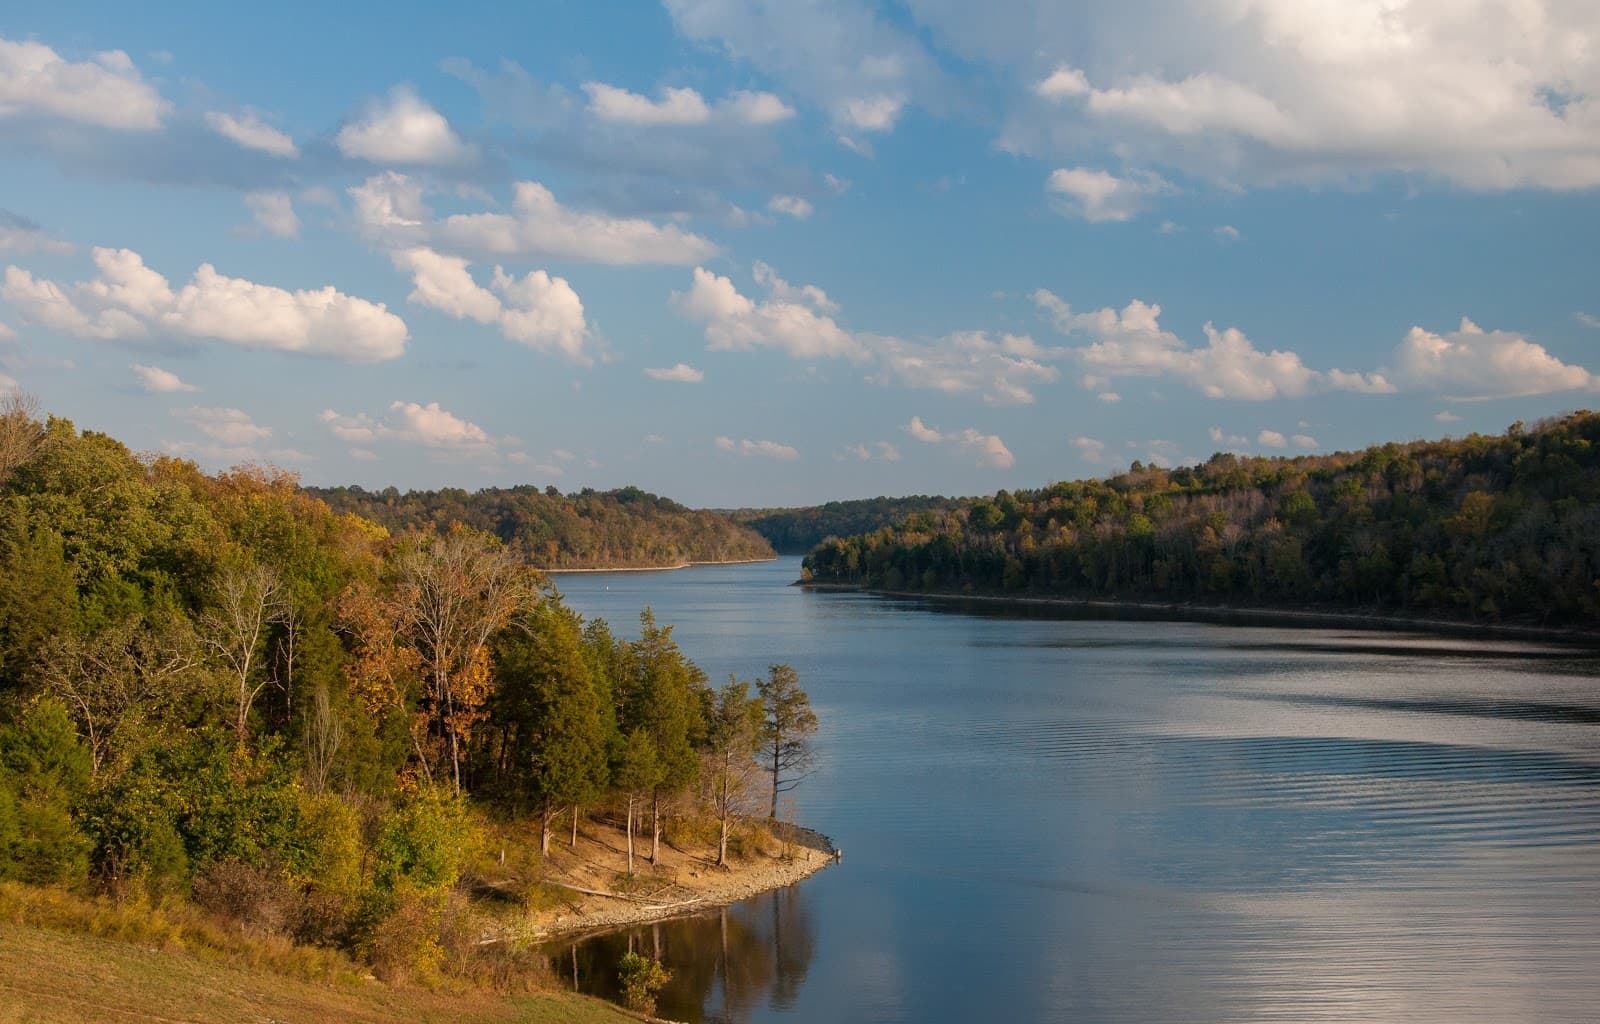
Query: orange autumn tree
(453, 592)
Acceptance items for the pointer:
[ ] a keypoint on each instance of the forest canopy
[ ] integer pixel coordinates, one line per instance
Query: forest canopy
(795, 531)
(1480, 527)
(588, 529)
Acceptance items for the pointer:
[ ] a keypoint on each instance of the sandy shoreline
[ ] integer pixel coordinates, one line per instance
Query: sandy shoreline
(1238, 615)
(661, 568)
(684, 882)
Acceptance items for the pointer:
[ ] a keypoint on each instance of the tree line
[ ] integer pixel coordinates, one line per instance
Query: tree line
(1481, 527)
(219, 689)
(795, 531)
(588, 529)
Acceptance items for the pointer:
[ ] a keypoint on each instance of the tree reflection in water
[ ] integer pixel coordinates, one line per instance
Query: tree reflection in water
(724, 963)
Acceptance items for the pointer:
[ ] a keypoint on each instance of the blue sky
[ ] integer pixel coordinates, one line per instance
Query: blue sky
(781, 253)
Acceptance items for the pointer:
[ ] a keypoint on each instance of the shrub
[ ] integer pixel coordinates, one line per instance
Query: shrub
(641, 979)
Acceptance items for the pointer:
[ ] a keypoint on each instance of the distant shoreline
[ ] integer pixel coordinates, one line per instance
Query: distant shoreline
(661, 568)
(1238, 615)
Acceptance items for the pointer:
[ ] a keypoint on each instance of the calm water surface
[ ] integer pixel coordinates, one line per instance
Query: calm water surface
(1092, 821)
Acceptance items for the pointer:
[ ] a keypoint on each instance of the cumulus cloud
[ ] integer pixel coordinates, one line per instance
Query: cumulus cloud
(248, 130)
(796, 321)
(129, 300)
(1131, 342)
(984, 449)
(429, 426)
(19, 234)
(1587, 319)
(274, 213)
(1493, 96)
(734, 322)
(1233, 441)
(1272, 439)
(232, 427)
(403, 129)
(537, 310)
(1303, 441)
(880, 451)
(860, 67)
(683, 373)
(1227, 233)
(106, 90)
(1446, 416)
(1100, 196)
(158, 381)
(683, 107)
(391, 210)
(793, 206)
(1090, 450)
(758, 449)
(1471, 363)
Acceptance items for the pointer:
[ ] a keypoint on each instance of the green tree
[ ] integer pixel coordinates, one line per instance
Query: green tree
(733, 723)
(788, 724)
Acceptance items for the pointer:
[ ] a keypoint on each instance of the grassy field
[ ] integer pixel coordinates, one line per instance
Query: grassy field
(49, 977)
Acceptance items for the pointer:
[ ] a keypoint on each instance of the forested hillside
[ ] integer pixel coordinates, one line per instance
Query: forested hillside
(625, 528)
(219, 695)
(794, 531)
(1483, 527)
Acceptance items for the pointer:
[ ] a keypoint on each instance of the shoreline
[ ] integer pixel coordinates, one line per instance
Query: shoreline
(660, 568)
(1238, 615)
(706, 887)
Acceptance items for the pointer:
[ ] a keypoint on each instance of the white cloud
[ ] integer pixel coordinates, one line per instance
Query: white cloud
(837, 185)
(1446, 416)
(105, 90)
(1227, 233)
(1304, 441)
(860, 67)
(1588, 319)
(1131, 343)
(130, 300)
(1219, 436)
(540, 311)
(1272, 439)
(1090, 449)
(537, 224)
(19, 234)
(794, 206)
(1471, 363)
(6, 332)
(917, 429)
(758, 449)
(403, 129)
(249, 131)
(734, 322)
(683, 106)
(881, 451)
(985, 449)
(793, 320)
(158, 381)
(232, 427)
(427, 425)
(1109, 396)
(1100, 196)
(1485, 96)
(681, 372)
(274, 213)
(876, 113)
(363, 454)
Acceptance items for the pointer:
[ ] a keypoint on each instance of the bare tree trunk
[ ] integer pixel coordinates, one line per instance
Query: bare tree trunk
(574, 844)
(630, 833)
(655, 826)
(546, 818)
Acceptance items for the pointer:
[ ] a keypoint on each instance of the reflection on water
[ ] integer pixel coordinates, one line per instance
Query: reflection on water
(724, 963)
(1070, 819)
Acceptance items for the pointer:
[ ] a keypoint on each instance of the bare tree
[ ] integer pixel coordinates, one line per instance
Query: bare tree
(120, 679)
(248, 600)
(324, 735)
(22, 436)
(456, 591)
(733, 725)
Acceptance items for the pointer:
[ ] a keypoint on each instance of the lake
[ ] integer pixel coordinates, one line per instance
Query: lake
(1056, 820)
